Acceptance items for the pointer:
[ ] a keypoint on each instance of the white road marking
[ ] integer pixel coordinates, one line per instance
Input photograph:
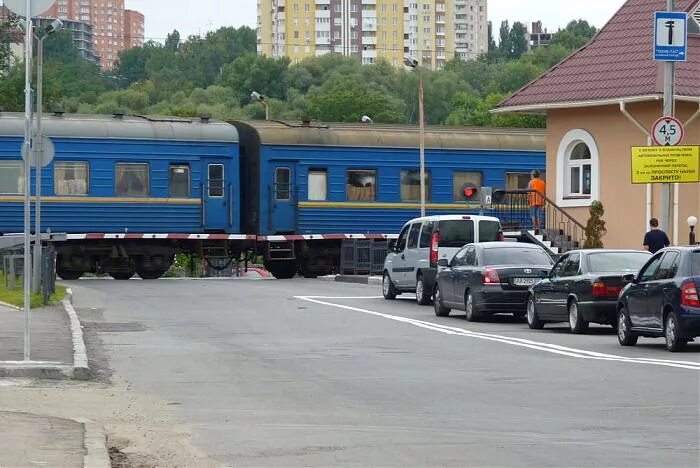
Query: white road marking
(536, 345)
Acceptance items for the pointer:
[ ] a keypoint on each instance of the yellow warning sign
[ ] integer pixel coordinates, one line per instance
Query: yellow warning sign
(665, 164)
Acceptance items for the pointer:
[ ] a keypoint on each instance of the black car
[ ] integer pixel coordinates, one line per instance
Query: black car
(662, 300)
(488, 278)
(583, 287)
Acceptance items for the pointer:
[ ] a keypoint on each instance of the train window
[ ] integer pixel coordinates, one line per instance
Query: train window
(216, 180)
(318, 185)
(517, 180)
(410, 185)
(361, 185)
(283, 186)
(179, 181)
(11, 180)
(132, 179)
(461, 179)
(71, 178)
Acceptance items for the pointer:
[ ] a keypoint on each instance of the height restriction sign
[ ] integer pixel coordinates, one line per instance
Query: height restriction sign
(667, 131)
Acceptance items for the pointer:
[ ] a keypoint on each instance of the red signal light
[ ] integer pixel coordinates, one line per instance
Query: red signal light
(469, 192)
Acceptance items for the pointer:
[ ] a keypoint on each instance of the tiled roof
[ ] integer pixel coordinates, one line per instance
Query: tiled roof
(618, 62)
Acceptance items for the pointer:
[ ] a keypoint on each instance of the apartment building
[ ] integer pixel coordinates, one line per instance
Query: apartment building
(82, 36)
(114, 27)
(431, 31)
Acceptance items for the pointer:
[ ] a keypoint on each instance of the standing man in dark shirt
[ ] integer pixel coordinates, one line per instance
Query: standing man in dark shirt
(655, 239)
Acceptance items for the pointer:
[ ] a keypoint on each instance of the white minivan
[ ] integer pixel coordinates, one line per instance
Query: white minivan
(411, 264)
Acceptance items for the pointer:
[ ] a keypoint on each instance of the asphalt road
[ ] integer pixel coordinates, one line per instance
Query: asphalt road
(265, 375)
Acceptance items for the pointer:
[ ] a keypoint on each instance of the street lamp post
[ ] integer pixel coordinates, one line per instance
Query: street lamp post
(413, 63)
(55, 26)
(692, 221)
(256, 96)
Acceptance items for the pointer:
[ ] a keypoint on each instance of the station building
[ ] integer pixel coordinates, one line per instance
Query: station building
(600, 102)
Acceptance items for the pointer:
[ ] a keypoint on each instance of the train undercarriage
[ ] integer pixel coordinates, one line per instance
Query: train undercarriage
(150, 258)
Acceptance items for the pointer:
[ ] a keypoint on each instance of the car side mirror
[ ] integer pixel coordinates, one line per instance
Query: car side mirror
(544, 274)
(629, 278)
(392, 245)
(443, 263)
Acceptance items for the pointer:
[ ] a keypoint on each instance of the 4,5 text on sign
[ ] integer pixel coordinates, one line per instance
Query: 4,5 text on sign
(667, 131)
(665, 164)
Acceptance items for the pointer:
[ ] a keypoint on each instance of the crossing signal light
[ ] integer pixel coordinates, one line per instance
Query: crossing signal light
(471, 192)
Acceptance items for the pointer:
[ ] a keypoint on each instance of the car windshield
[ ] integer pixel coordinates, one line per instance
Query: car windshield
(456, 233)
(695, 263)
(516, 256)
(609, 262)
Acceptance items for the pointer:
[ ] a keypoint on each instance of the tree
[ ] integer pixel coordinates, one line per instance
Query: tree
(492, 42)
(172, 41)
(517, 41)
(575, 35)
(595, 228)
(504, 45)
(8, 33)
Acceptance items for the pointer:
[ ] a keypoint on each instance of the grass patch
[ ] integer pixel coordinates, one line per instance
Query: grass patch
(16, 296)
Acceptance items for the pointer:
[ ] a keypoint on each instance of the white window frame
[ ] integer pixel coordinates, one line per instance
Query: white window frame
(566, 147)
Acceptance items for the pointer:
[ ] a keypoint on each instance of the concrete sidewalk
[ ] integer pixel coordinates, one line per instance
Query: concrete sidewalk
(51, 350)
(34, 440)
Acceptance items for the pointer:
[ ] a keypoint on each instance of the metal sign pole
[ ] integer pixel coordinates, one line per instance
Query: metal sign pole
(669, 79)
(27, 178)
(38, 162)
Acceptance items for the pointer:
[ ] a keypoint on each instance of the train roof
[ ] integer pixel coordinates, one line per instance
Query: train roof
(136, 127)
(396, 136)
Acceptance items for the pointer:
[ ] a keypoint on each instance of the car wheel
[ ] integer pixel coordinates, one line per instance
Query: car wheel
(388, 289)
(422, 294)
(471, 310)
(625, 335)
(576, 323)
(440, 310)
(674, 340)
(533, 321)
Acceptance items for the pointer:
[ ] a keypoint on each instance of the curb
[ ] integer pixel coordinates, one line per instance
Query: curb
(10, 306)
(359, 279)
(95, 443)
(81, 369)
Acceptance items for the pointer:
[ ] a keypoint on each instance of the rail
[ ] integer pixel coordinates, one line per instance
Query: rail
(557, 226)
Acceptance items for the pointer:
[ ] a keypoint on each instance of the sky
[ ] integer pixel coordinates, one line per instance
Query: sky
(199, 16)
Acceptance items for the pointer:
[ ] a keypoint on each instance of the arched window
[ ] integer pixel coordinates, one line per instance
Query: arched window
(578, 176)
(579, 171)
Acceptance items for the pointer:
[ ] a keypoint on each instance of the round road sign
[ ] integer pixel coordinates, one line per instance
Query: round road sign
(667, 131)
(45, 158)
(19, 7)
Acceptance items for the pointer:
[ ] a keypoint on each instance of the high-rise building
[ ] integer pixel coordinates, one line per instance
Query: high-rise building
(82, 35)
(109, 20)
(431, 31)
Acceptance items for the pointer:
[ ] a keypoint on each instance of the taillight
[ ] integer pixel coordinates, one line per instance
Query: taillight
(501, 237)
(491, 277)
(689, 295)
(434, 243)
(601, 289)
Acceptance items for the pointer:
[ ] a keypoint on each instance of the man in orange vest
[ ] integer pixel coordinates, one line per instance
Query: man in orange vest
(534, 200)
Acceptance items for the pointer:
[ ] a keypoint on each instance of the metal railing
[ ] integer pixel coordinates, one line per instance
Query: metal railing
(363, 256)
(557, 226)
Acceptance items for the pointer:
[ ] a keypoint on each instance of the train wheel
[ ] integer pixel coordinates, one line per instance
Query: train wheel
(282, 269)
(69, 275)
(151, 274)
(121, 275)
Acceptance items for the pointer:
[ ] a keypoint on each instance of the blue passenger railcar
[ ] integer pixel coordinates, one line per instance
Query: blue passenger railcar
(126, 174)
(362, 179)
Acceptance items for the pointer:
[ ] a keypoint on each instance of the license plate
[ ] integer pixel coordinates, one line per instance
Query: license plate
(524, 281)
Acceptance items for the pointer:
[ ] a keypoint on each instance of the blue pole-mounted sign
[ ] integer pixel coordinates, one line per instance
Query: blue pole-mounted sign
(670, 36)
